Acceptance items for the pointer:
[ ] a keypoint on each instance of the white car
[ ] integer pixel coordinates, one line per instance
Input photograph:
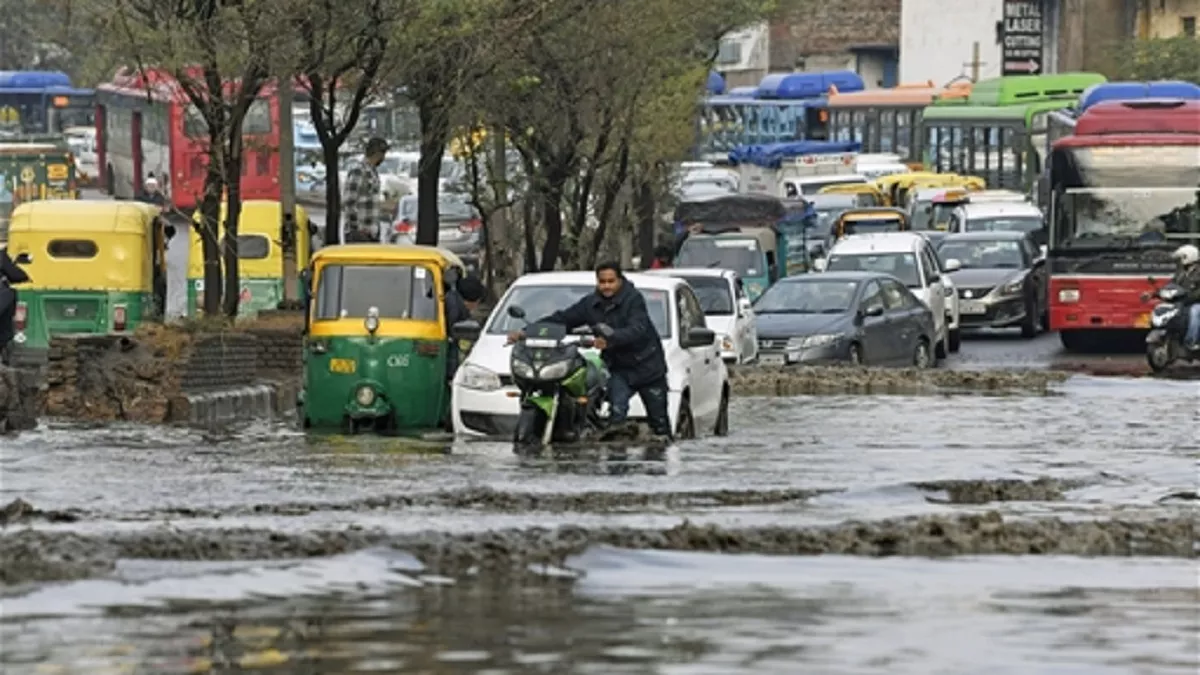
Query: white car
(991, 216)
(727, 309)
(486, 403)
(909, 257)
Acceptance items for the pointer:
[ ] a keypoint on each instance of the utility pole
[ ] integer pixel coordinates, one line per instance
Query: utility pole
(289, 230)
(975, 62)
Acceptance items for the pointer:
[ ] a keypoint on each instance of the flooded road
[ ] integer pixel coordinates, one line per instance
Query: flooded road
(166, 550)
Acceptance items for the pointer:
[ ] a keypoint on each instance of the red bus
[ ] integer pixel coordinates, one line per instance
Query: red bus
(1123, 197)
(146, 124)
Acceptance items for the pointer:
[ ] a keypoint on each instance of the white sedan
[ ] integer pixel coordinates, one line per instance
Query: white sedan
(486, 402)
(726, 308)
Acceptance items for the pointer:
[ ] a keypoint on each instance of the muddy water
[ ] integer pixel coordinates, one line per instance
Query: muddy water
(405, 581)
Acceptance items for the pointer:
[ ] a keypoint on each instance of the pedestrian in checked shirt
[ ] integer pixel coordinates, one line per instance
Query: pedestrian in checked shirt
(360, 195)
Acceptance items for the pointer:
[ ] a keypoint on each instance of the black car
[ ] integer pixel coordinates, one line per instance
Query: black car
(855, 317)
(1000, 277)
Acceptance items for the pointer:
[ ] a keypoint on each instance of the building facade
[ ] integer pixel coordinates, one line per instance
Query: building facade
(858, 35)
(1167, 18)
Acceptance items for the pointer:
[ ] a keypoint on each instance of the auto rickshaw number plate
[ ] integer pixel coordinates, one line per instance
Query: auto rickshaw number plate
(343, 366)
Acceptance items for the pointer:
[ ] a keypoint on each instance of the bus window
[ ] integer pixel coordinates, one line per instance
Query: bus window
(958, 149)
(859, 128)
(981, 150)
(1009, 171)
(887, 130)
(904, 124)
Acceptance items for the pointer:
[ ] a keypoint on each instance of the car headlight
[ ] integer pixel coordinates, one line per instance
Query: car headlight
(1013, 287)
(814, 341)
(523, 370)
(478, 377)
(726, 343)
(365, 395)
(1068, 295)
(555, 371)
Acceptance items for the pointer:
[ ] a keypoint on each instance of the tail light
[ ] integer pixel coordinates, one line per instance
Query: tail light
(20, 316)
(119, 318)
(404, 227)
(471, 225)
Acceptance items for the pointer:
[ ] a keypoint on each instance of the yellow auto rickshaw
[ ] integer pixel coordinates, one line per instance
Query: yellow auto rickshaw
(377, 339)
(95, 266)
(889, 185)
(260, 256)
(867, 221)
(868, 195)
(906, 191)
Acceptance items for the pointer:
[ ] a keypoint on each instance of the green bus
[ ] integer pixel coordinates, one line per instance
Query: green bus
(998, 131)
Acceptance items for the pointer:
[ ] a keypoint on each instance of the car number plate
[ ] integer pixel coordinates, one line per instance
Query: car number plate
(1143, 321)
(972, 307)
(772, 360)
(343, 366)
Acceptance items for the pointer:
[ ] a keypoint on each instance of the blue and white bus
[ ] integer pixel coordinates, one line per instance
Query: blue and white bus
(39, 102)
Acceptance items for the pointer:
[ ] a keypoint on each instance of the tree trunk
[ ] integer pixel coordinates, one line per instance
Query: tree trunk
(435, 133)
(233, 284)
(644, 207)
(551, 197)
(333, 195)
(209, 226)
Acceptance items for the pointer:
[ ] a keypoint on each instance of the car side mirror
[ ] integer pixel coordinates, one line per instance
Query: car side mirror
(700, 337)
(23, 259)
(466, 330)
(953, 265)
(516, 312)
(820, 264)
(744, 306)
(873, 310)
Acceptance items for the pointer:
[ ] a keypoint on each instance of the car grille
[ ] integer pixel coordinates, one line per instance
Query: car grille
(773, 344)
(977, 292)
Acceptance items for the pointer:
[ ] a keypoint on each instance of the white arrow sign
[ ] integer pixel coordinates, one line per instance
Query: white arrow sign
(1030, 66)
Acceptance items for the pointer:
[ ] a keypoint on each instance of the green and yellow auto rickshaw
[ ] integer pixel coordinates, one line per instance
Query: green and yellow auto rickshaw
(96, 266)
(260, 256)
(377, 339)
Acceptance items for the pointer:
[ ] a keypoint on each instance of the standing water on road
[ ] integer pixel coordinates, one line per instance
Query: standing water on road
(164, 550)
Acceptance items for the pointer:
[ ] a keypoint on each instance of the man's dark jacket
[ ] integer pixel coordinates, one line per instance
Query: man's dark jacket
(1189, 278)
(634, 348)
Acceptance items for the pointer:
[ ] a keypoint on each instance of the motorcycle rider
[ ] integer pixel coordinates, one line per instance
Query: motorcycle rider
(628, 343)
(1187, 257)
(9, 274)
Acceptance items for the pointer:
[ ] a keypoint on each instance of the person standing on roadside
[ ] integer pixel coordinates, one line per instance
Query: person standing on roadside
(360, 195)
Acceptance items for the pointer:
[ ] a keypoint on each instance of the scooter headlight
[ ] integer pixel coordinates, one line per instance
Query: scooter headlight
(523, 370)
(365, 395)
(555, 371)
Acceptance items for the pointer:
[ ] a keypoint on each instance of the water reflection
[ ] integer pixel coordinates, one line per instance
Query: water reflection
(632, 612)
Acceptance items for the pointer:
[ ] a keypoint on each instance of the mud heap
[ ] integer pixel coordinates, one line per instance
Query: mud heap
(32, 555)
(20, 399)
(816, 380)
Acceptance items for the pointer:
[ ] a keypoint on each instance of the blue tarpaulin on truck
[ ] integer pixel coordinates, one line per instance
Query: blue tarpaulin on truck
(772, 155)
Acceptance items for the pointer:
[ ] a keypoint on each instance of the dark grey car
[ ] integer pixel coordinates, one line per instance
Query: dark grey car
(1000, 277)
(459, 228)
(854, 317)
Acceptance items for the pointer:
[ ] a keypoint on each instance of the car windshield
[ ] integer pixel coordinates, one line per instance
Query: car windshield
(1004, 224)
(983, 253)
(740, 254)
(871, 225)
(810, 295)
(903, 266)
(825, 221)
(455, 209)
(396, 291)
(542, 301)
(1106, 217)
(714, 293)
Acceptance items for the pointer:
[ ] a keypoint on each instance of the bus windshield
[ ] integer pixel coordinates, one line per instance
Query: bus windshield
(740, 254)
(1127, 217)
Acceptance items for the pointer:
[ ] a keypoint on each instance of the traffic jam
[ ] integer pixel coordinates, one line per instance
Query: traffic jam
(1076, 226)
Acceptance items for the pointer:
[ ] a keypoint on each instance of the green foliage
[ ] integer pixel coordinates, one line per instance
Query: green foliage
(1176, 58)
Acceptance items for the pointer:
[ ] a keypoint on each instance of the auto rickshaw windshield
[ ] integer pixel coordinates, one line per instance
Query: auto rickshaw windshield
(396, 291)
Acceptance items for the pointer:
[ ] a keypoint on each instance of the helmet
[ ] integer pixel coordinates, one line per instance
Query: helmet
(1186, 255)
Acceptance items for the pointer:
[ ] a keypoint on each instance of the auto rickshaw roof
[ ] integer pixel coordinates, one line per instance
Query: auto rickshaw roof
(92, 216)
(387, 253)
(873, 213)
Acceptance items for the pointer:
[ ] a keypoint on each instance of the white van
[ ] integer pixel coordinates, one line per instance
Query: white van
(909, 257)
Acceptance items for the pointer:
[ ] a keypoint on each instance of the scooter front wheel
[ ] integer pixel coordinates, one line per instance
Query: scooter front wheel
(1158, 356)
(528, 435)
